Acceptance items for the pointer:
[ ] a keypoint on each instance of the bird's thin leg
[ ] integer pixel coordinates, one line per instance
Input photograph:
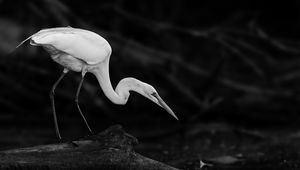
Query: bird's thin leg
(52, 92)
(77, 104)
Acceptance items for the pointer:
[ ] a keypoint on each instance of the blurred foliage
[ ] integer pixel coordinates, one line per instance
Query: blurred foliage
(213, 60)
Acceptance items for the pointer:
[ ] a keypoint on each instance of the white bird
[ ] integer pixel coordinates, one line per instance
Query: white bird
(84, 51)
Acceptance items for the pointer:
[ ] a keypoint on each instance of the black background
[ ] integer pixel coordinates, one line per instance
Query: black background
(229, 62)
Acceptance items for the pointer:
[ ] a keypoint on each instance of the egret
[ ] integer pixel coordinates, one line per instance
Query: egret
(84, 51)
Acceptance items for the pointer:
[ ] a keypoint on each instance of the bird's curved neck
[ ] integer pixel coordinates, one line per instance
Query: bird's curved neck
(121, 94)
(102, 74)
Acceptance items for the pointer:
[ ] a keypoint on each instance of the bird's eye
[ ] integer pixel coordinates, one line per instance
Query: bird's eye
(32, 42)
(154, 94)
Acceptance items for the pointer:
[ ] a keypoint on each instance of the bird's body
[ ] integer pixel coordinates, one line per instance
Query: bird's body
(73, 48)
(85, 51)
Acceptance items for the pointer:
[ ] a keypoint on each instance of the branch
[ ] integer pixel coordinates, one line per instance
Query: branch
(110, 149)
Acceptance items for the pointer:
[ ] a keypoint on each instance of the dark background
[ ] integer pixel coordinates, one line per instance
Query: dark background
(214, 62)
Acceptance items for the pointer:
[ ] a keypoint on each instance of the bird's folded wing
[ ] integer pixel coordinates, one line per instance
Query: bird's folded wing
(84, 45)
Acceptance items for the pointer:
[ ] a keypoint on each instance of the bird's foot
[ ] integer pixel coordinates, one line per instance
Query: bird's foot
(70, 142)
(91, 134)
(89, 137)
(75, 145)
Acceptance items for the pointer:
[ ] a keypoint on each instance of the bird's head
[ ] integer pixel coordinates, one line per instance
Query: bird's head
(149, 92)
(146, 90)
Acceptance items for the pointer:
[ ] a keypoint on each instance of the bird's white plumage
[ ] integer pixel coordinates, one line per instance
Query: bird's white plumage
(85, 51)
(75, 42)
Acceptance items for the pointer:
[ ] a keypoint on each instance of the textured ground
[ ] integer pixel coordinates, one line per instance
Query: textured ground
(201, 146)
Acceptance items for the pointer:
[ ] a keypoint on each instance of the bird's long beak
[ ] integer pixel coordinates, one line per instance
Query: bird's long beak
(162, 104)
(21, 43)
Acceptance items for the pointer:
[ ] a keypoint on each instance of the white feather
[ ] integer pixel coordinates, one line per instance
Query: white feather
(75, 42)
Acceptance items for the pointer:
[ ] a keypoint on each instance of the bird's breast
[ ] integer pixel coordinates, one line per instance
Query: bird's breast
(69, 62)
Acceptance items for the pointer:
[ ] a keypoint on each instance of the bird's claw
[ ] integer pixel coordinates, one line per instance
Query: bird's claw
(70, 142)
(75, 145)
(89, 136)
(91, 133)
